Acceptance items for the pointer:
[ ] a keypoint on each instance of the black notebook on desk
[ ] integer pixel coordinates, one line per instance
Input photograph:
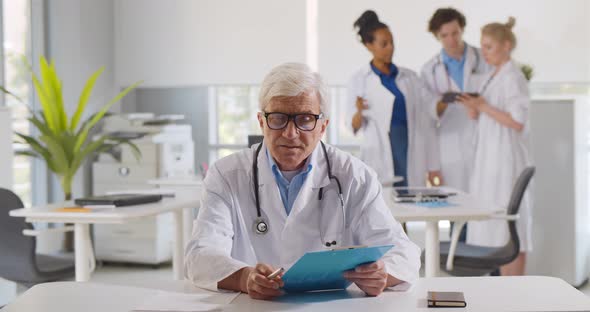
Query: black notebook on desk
(446, 299)
(119, 200)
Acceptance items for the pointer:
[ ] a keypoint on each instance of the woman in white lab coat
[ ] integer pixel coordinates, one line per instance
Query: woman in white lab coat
(502, 150)
(390, 112)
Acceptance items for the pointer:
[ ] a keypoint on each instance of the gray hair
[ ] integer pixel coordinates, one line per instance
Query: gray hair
(293, 79)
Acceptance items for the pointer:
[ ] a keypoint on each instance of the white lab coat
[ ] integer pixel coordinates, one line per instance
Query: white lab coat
(376, 146)
(501, 154)
(224, 241)
(456, 132)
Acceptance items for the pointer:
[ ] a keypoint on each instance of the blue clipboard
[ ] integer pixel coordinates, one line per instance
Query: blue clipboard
(322, 270)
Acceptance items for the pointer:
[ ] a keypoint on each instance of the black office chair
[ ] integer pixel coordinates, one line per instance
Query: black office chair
(472, 260)
(18, 261)
(253, 139)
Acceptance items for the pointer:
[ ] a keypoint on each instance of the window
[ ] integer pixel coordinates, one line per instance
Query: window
(340, 129)
(22, 36)
(232, 118)
(233, 111)
(16, 33)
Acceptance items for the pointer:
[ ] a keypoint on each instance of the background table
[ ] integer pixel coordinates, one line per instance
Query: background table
(81, 221)
(464, 207)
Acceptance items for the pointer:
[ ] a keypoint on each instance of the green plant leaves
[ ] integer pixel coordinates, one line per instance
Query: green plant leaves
(84, 98)
(46, 105)
(98, 116)
(35, 146)
(58, 157)
(52, 87)
(62, 143)
(13, 95)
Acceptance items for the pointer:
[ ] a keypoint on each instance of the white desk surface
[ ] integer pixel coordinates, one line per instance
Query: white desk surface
(525, 293)
(464, 207)
(47, 213)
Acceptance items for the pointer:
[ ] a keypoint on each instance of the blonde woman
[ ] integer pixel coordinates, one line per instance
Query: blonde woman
(502, 141)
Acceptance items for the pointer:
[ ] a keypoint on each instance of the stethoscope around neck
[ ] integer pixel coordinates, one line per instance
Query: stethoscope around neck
(261, 225)
(440, 63)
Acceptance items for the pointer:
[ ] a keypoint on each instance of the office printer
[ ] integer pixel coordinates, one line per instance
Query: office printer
(167, 151)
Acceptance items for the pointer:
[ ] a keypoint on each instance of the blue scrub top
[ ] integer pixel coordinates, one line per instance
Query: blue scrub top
(398, 131)
(399, 116)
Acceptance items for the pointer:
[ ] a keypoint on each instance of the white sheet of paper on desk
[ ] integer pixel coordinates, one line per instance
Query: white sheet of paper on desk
(177, 302)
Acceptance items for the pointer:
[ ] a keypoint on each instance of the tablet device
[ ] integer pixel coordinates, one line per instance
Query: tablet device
(425, 192)
(323, 270)
(118, 200)
(450, 97)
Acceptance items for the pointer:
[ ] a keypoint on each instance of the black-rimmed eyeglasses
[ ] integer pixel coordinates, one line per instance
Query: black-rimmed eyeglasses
(304, 122)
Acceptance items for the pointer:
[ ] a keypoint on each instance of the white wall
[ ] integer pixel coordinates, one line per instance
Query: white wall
(553, 36)
(340, 51)
(202, 42)
(80, 40)
(183, 42)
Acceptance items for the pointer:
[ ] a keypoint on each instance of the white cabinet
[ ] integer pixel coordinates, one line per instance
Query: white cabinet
(560, 128)
(144, 241)
(148, 240)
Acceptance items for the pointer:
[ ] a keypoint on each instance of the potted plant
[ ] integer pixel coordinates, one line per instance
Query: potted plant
(64, 142)
(527, 71)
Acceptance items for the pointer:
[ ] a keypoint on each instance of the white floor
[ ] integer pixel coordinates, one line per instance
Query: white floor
(149, 277)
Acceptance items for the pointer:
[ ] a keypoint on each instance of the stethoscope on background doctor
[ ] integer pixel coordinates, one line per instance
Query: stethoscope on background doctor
(261, 224)
(440, 63)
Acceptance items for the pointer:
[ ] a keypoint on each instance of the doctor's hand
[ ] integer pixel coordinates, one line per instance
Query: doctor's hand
(370, 278)
(472, 102)
(435, 178)
(472, 113)
(361, 104)
(258, 286)
(357, 118)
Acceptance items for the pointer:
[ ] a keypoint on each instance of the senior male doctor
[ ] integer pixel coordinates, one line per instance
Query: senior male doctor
(310, 196)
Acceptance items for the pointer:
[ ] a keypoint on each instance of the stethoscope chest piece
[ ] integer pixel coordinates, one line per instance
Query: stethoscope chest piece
(260, 226)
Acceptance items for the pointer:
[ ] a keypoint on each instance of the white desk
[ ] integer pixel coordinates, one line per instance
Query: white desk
(81, 221)
(524, 293)
(465, 208)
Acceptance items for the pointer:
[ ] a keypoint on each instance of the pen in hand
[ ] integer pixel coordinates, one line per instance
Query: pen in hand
(276, 273)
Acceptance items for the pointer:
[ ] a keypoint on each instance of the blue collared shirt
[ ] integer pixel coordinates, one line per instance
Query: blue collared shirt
(454, 67)
(289, 190)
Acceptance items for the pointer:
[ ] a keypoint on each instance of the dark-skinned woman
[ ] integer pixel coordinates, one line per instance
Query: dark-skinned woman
(389, 105)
